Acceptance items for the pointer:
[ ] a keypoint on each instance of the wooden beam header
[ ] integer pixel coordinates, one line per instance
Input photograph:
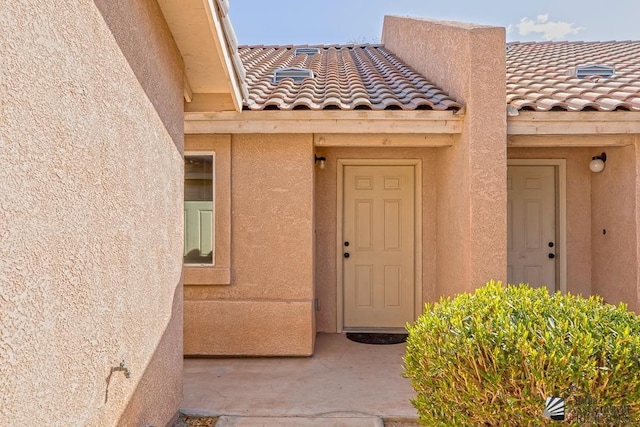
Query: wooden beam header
(343, 122)
(602, 140)
(383, 140)
(574, 123)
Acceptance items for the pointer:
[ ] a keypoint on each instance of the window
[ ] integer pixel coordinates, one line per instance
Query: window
(199, 209)
(207, 167)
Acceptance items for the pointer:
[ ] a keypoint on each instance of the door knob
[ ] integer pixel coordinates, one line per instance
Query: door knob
(552, 256)
(346, 254)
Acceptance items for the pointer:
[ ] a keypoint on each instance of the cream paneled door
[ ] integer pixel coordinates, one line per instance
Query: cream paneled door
(378, 247)
(531, 222)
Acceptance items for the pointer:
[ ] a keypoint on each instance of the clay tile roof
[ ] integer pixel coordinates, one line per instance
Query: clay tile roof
(541, 76)
(350, 77)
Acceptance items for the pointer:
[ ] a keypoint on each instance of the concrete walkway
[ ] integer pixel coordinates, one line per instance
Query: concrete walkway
(344, 380)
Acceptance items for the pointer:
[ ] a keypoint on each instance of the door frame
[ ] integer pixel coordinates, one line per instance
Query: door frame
(417, 176)
(561, 212)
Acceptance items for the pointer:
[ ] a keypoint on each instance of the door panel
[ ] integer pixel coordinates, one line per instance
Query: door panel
(379, 211)
(531, 225)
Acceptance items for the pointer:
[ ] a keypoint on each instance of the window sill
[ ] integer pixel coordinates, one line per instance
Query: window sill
(197, 275)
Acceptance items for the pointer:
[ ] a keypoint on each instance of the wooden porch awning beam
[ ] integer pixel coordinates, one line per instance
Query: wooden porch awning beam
(574, 123)
(340, 122)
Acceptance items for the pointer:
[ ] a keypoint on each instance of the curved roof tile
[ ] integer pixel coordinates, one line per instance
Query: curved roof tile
(540, 76)
(346, 77)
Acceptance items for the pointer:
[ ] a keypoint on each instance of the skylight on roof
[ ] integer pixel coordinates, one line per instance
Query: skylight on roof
(585, 71)
(295, 73)
(306, 51)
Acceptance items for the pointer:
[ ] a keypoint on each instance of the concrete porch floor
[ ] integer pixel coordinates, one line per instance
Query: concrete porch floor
(342, 377)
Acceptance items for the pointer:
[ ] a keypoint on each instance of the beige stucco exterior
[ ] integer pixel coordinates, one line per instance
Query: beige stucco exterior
(601, 210)
(90, 214)
(284, 218)
(578, 204)
(469, 61)
(284, 208)
(613, 209)
(266, 308)
(91, 186)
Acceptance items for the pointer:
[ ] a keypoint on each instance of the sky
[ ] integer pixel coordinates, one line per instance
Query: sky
(302, 22)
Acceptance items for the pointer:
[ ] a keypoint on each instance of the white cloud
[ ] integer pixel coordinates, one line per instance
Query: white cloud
(550, 30)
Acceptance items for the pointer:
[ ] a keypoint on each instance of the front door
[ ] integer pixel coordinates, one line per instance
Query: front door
(378, 247)
(531, 222)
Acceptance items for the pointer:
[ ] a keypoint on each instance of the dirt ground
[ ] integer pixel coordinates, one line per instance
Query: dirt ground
(188, 421)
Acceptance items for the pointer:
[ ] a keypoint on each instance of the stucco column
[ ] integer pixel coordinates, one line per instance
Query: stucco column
(467, 61)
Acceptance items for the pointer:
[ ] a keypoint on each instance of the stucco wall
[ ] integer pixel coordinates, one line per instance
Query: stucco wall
(598, 263)
(637, 211)
(468, 61)
(146, 43)
(578, 204)
(326, 215)
(613, 205)
(90, 216)
(268, 307)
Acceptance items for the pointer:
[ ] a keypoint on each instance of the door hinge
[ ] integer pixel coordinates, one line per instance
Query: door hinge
(316, 304)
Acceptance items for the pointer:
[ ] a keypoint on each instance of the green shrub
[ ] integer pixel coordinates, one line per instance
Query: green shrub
(492, 358)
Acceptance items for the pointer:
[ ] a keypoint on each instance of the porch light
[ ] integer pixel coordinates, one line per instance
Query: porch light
(321, 160)
(597, 163)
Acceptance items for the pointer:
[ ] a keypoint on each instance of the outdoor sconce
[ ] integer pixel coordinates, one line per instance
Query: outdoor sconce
(321, 160)
(597, 163)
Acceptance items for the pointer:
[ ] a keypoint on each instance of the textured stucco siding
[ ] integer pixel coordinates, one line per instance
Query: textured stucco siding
(636, 308)
(468, 61)
(578, 204)
(90, 215)
(267, 309)
(614, 233)
(601, 220)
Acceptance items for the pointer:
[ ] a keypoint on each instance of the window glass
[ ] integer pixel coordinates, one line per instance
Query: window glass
(198, 209)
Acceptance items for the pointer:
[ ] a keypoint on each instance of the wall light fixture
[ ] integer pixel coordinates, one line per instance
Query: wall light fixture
(597, 163)
(320, 160)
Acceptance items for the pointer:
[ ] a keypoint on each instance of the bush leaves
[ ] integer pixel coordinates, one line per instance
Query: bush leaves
(492, 358)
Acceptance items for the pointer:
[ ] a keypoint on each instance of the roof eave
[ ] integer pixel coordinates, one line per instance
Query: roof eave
(209, 49)
(574, 123)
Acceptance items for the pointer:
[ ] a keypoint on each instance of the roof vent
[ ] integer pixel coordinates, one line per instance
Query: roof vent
(585, 71)
(306, 51)
(297, 74)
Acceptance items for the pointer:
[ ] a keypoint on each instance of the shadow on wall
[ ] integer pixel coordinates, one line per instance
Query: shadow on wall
(152, 55)
(158, 395)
